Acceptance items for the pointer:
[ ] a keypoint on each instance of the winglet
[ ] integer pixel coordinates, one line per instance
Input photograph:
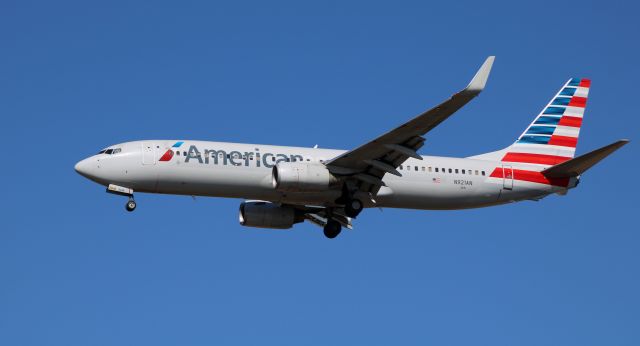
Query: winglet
(580, 164)
(480, 79)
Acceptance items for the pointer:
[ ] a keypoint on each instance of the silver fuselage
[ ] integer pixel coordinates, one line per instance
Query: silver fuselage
(244, 171)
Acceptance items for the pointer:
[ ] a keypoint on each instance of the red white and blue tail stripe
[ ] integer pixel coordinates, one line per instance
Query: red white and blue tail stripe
(552, 137)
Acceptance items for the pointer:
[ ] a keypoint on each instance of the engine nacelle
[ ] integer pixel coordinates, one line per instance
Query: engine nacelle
(268, 215)
(302, 177)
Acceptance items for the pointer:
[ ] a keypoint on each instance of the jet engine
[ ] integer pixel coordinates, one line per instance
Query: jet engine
(302, 177)
(268, 215)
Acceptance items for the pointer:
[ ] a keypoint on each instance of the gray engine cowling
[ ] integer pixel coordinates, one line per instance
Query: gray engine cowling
(302, 177)
(268, 215)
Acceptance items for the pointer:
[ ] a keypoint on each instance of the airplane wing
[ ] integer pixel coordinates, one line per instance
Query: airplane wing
(371, 161)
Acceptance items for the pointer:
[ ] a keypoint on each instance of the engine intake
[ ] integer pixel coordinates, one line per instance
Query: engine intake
(302, 177)
(268, 215)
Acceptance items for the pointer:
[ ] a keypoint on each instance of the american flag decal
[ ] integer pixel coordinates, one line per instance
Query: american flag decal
(436, 180)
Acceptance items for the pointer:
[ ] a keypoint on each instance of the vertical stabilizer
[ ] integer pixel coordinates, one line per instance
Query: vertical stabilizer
(553, 135)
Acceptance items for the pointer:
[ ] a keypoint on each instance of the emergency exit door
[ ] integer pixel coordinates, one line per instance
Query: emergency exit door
(507, 177)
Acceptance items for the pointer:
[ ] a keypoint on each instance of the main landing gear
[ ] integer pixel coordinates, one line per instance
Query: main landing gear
(353, 207)
(332, 229)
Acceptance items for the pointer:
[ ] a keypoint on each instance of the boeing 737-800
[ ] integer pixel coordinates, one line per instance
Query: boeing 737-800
(283, 186)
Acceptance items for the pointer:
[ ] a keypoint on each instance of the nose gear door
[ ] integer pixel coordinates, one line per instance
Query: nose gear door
(148, 153)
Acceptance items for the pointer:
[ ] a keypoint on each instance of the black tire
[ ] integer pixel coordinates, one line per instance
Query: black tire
(332, 229)
(353, 207)
(131, 205)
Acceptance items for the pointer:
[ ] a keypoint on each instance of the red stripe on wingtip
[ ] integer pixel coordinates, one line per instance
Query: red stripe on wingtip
(567, 120)
(563, 141)
(585, 83)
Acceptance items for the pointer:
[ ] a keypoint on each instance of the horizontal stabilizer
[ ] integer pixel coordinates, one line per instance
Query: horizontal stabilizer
(580, 164)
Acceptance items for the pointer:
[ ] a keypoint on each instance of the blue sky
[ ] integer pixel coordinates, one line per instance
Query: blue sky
(76, 269)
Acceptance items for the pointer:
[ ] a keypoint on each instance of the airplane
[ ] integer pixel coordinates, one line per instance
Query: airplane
(283, 186)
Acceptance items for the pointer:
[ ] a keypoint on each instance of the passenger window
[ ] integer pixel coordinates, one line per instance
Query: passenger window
(450, 170)
(408, 168)
(185, 153)
(463, 171)
(417, 168)
(423, 168)
(482, 172)
(456, 171)
(476, 172)
(430, 169)
(436, 169)
(400, 166)
(178, 153)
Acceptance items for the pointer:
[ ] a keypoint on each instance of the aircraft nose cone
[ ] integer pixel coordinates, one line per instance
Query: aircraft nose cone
(83, 168)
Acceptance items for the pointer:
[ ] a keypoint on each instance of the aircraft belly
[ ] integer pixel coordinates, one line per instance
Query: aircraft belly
(216, 181)
(439, 193)
(523, 190)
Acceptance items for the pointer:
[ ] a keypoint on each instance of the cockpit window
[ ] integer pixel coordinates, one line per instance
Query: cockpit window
(110, 151)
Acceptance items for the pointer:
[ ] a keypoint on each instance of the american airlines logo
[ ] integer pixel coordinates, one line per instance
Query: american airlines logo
(233, 158)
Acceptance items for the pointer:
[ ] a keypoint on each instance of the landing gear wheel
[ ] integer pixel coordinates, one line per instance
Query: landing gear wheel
(353, 207)
(131, 205)
(332, 229)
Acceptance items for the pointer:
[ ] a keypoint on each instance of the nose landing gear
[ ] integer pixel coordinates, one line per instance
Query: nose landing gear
(123, 191)
(131, 204)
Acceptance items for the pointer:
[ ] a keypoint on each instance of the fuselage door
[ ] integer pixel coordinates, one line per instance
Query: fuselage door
(507, 174)
(148, 153)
